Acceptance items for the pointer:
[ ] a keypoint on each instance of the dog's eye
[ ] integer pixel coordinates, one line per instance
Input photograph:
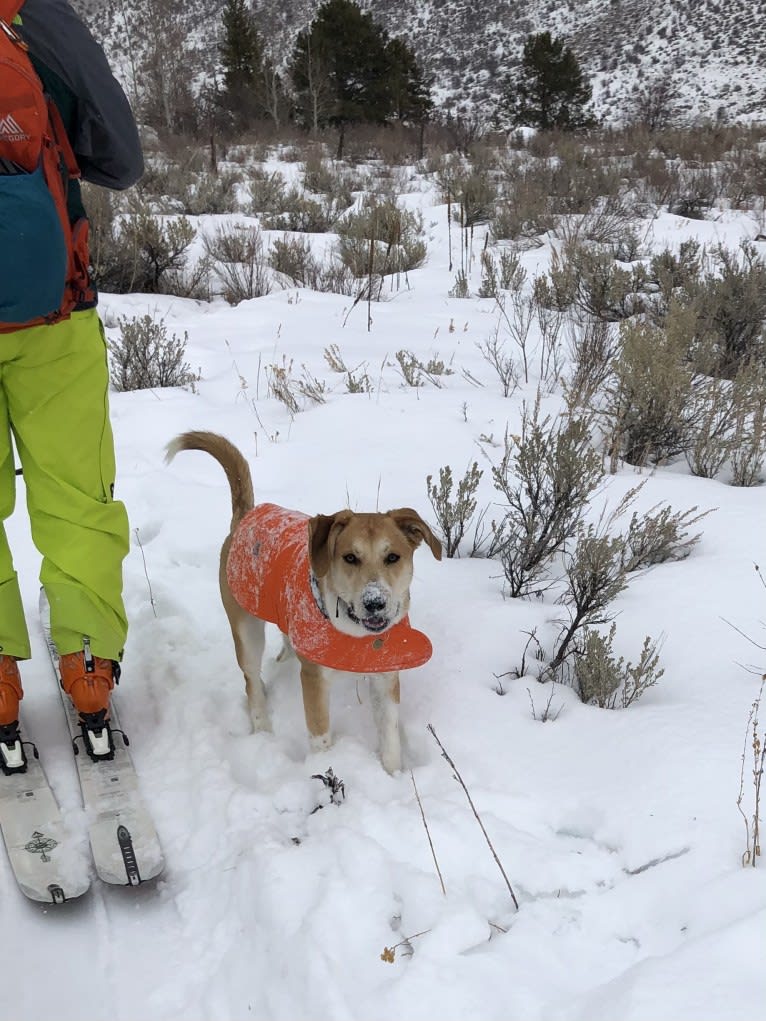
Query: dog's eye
(351, 558)
(392, 558)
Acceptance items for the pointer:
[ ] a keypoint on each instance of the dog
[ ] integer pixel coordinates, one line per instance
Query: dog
(336, 585)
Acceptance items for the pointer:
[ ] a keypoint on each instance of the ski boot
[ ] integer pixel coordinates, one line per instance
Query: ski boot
(12, 756)
(88, 680)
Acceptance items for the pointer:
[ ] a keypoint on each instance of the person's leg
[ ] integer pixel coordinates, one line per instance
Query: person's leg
(57, 391)
(14, 638)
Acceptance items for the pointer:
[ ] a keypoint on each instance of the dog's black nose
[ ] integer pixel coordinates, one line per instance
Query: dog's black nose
(373, 604)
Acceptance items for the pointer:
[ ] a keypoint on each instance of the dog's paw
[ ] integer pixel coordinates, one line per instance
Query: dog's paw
(320, 742)
(391, 761)
(261, 724)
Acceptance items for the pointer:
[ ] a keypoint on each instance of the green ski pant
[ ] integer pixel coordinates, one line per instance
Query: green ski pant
(54, 383)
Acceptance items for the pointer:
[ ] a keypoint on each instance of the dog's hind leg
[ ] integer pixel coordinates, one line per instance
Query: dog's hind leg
(287, 651)
(384, 694)
(249, 637)
(252, 640)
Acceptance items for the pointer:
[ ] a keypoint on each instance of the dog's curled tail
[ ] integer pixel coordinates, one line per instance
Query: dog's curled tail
(230, 459)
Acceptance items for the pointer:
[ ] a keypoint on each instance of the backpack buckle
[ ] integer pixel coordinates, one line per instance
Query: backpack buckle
(12, 34)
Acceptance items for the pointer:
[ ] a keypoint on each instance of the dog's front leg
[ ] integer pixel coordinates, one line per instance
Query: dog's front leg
(249, 637)
(316, 705)
(384, 693)
(249, 643)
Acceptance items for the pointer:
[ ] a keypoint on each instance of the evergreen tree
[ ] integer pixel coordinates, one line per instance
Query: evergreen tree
(241, 55)
(549, 90)
(410, 90)
(345, 70)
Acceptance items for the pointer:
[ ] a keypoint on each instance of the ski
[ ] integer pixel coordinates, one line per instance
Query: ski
(47, 864)
(123, 839)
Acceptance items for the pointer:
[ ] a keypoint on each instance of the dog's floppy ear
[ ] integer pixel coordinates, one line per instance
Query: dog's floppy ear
(415, 529)
(324, 530)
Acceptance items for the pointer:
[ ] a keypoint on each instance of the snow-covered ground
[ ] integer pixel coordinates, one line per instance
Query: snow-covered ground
(618, 830)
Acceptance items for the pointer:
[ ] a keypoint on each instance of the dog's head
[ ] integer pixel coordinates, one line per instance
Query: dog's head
(363, 566)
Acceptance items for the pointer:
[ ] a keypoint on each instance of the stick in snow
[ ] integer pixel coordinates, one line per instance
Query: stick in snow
(459, 779)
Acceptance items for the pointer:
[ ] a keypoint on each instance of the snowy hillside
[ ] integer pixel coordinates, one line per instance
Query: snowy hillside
(618, 830)
(709, 53)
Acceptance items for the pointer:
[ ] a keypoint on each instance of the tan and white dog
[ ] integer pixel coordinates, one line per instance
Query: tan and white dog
(337, 586)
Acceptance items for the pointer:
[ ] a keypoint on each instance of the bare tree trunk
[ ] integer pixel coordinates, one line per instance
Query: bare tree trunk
(271, 92)
(341, 140)
(134, 98)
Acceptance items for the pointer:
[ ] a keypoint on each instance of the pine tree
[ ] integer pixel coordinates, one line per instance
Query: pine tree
(345, 70)
(410, 90)
(549, 90)
(241, 55)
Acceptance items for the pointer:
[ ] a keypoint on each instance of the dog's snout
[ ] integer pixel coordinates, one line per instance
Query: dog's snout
(373, 602)
(374, 598)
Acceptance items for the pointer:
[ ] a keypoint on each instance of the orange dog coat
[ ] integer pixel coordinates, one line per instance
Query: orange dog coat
(269, 575)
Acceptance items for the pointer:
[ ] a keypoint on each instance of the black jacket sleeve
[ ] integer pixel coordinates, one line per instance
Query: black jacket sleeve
(105, 141)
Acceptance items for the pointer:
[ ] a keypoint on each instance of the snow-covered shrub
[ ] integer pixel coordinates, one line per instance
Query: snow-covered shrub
(609, 682)
(743, 180)
(658, 536)
(240, 262)
(473, 196)
(597, 565)
(579, 178)
(159, 248)
(144, 357)
(381, 238)
(602, 288)
(547, 476)
(324, 177)
(673, 276)
(523, 215)
(494, 351)
(748, 437)
(556, 289)
(592, 347)
(283, 386)
(460, 289)
(416, 372)
(731, 305)
(210, 192)
(648, 398)
(611, 223)
(294, 260)
(167, 180)
(756, 745)
(693, 192)
(113, 262)
(504, 273)
(301, 213)
(267, 191)
(454, 510)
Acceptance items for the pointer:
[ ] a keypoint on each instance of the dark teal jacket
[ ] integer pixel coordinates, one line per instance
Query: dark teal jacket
(75, 73)
(95, 110)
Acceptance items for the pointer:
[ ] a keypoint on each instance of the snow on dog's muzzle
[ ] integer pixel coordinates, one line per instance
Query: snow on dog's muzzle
(374, 614)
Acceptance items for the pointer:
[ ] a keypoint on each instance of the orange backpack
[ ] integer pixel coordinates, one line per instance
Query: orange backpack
(43, 258)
